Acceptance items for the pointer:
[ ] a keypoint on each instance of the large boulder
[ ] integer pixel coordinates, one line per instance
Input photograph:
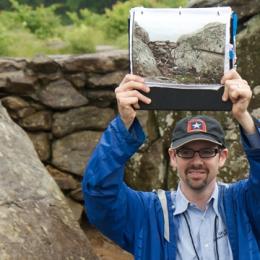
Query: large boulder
(36, 222)
(144, 63)
(141, 34)
(200, 55)
(248, 46)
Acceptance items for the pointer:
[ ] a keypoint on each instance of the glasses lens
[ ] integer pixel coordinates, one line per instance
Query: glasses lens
(185, 153)
(203, 153)
(207, 153)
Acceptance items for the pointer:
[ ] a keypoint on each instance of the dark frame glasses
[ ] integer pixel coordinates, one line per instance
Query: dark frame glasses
(204, 153)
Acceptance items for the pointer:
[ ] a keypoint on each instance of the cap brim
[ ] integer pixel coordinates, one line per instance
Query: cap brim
(197, 137)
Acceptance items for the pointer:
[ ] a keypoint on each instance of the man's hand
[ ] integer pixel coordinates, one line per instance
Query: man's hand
(128, 95)
(239, 92)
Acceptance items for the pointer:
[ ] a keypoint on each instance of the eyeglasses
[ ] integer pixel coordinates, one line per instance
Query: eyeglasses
(203, 153)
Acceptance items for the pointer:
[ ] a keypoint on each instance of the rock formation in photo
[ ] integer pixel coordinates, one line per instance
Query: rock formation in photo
(144, 63)
(194, 58)
(200, 56)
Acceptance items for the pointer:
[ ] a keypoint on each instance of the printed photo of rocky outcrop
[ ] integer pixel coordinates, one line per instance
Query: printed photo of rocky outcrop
(192, 57)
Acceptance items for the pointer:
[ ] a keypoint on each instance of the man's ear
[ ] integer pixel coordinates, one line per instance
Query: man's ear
(223, 155)
(173, 162)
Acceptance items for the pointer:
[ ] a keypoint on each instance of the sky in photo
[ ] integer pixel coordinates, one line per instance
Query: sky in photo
(170, 25)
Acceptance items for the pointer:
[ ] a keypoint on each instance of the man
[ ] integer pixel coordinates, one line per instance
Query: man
(203, 219)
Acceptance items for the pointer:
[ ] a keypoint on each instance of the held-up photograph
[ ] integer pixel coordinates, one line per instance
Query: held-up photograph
(180, 46)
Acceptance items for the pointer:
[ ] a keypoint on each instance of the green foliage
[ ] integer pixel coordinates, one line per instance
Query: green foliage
(4, 43)
(10, 44)
(81, 39)
(68, 5)
(40, 29)
(87, 17)
(41, 21)
(121, 41)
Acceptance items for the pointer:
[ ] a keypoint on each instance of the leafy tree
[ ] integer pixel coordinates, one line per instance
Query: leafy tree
(41, 21)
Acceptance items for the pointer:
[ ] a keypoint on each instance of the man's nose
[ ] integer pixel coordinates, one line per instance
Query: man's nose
(196, 158)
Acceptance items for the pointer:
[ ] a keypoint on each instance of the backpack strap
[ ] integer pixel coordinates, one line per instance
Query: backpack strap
(162, 197)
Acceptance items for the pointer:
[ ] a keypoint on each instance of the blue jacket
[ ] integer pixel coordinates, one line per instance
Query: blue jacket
(142, 222)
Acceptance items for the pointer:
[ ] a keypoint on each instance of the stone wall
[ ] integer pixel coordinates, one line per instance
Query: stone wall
(65, 102)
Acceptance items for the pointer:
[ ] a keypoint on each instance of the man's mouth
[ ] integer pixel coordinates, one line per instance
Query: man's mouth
(196, 174)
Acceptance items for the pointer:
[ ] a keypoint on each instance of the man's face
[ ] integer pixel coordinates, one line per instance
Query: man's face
(198, 173)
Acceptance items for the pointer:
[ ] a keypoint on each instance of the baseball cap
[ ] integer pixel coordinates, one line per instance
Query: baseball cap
(200, 127)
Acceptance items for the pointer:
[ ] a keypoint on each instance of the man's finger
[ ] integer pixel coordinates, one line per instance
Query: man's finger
(132, 85)
(136, 106)
(231, 74)
(128, 101)
(230, 86)
(134, 93)
(226, 93)
(132, 77)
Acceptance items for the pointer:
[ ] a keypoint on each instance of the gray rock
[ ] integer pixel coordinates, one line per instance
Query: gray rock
(148, 123)
(101, 98)
(149, 169)
(72, 152)
(141, 34)
(61, 95)
(12, 64)
(83, 118)
(78, 79)
(211, 38)
(77, 208)
(255, 101)
(201, 54)
(36, 222)
(77, 194)
(144, 63)
(248, 46)
(43, 64)
(103, 62)
(41, 143)
(108, 80)
(17, 107)
(256, 90)
(24, 112)
(65, 181)
(14, 103)
(41, 120)
(18, 82)
(256, 113)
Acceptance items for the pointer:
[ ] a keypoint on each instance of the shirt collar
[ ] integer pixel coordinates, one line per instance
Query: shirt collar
(182, 203)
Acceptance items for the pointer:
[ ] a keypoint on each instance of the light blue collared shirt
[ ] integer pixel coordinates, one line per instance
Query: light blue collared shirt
(202, 226)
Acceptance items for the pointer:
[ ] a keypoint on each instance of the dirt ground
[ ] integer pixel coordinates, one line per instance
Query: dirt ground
(104, 248)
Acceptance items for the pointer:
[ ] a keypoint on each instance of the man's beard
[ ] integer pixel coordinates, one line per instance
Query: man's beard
(201, 183)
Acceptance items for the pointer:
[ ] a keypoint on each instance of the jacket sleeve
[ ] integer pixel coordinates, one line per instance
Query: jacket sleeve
(252, 191)
(115, 209)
